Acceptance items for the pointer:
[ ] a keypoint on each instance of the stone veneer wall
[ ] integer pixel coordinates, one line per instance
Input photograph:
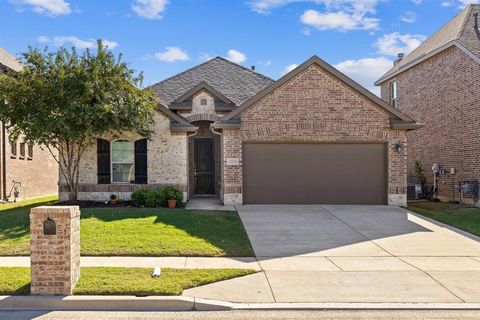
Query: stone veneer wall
(315, 106)
(167, 165)
(444, 94)
(55, 259)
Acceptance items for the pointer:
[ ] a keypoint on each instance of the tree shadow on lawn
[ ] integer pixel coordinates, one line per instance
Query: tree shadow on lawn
(15, 222)
(222, 229)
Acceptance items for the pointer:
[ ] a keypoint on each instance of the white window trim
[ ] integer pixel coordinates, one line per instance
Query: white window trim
(111, 160)
(393, 101)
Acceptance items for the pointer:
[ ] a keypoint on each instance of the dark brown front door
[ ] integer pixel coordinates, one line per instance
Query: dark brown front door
(204, 166)
(344, 173)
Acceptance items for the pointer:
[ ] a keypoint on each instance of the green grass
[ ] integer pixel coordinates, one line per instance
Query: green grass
(124, 281)
(462, 217)
(139, 232)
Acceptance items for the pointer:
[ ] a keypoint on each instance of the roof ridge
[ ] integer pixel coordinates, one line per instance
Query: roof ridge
(208, 61)
(469, 9)
(245, 68)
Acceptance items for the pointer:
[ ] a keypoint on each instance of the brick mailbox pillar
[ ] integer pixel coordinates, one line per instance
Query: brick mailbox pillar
(54, 249)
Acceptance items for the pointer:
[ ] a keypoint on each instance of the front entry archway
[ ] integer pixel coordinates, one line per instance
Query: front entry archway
(204, 162)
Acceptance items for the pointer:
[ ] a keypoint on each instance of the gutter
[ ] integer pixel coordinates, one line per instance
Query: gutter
(226, 124)
(405, 125)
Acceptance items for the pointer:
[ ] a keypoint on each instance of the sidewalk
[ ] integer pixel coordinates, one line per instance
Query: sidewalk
(151, 262)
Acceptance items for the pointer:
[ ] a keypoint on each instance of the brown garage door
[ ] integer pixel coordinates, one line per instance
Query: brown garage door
(314, 173)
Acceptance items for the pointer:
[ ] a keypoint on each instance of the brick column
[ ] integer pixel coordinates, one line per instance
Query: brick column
(54, 249)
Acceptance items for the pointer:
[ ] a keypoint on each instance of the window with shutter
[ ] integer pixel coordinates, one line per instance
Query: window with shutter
(141, 163)
(103, 161)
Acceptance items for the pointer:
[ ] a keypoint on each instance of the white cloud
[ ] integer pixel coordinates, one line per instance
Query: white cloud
(338, 14)
(61, 41)
(236, 56)
(447, 4)
(338, 20)
(149, 9)
(205, 57)
(172, 54)
(394, 43)
(289, 68)
(366, 71)
(409, 17)
(417, 2)
(46, 7)
(464, 3)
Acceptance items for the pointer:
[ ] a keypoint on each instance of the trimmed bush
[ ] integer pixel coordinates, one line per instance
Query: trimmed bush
(156, 198)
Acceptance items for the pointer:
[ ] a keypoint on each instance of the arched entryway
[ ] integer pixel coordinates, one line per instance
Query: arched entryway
(204, 162)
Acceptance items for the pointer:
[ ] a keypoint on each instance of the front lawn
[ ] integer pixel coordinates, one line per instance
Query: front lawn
(126, 231)
(462, 217)
(124, 281)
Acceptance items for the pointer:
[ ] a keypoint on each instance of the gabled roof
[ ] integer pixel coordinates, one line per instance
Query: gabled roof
(396, 115)
(185, 101)
(9, 61)
(459, 32)
(235, 82)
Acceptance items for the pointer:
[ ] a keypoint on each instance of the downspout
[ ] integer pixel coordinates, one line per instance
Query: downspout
(212, 129)
(4, 164)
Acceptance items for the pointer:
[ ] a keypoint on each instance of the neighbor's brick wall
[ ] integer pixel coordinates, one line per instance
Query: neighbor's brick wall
(316, 107)
(167, 164)
(38, 175)
(55, 259)
(444, 94)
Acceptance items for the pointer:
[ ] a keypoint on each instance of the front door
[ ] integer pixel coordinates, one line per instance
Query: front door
(204, 166)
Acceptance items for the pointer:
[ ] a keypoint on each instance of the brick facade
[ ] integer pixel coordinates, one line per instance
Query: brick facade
(34, 176)
(315, 106)
(443, 93)
(55, 258)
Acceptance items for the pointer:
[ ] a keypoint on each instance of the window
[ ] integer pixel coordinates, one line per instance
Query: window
(203, 101)
(13, 149)
(22, 150)
(123, 161)
(30, 151)
(393, 93)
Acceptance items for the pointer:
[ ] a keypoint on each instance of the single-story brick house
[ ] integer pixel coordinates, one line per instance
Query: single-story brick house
(313, 136)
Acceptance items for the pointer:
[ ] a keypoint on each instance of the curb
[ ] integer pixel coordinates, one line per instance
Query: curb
(182, 303)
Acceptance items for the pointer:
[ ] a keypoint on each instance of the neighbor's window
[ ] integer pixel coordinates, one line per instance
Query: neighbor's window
(123, 161)
(30, 151)
(22, 150)
(13, 149)
(393, 93)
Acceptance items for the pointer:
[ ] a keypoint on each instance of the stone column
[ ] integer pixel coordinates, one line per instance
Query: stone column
(54, 249)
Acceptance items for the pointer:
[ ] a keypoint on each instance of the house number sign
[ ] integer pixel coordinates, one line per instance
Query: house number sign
(233, 161)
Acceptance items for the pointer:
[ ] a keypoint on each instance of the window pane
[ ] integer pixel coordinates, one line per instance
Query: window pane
(123, 172)
(123, 151)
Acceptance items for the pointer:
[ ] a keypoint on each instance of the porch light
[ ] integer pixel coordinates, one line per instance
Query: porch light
(398, 147)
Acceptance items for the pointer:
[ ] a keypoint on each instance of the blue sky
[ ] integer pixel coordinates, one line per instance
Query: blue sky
(162, 38)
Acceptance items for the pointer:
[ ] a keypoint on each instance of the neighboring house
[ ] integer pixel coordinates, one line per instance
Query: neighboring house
(313, 136)
(27, 169)
(438, 85)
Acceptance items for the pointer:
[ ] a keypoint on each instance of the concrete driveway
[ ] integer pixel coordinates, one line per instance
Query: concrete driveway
(329, 253)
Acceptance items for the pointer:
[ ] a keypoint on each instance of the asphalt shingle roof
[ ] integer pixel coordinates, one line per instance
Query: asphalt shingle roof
(9, 61)
(232, 80)
(460, 28)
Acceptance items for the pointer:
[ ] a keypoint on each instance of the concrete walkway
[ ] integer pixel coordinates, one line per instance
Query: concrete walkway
(208, 204)
(334, 254)
(150, 262)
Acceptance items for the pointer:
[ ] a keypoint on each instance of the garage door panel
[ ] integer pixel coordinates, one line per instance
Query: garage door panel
(314, 173)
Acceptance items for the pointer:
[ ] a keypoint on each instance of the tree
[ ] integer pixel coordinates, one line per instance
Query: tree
(63, 101)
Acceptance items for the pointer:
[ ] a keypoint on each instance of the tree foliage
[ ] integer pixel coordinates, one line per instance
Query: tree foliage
(64, 100)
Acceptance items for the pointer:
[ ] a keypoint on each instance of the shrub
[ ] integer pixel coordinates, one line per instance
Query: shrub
(156, 198)
(172, 193)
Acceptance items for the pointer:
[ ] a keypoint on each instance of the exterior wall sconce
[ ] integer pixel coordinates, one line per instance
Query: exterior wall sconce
(398, 147)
